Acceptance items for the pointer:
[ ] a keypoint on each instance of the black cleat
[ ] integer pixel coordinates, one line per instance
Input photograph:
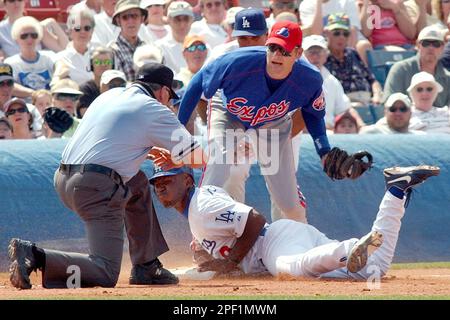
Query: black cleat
(154, 273)
(406, 177)
(22, 259)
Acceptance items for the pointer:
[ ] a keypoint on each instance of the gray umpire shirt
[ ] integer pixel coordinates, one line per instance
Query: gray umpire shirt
(120, 127)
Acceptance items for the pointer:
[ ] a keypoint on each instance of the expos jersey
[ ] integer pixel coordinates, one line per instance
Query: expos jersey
(216, 221)
(247, 91)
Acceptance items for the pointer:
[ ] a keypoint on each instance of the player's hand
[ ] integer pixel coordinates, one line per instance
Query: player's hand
(162, 158)
(221, 266)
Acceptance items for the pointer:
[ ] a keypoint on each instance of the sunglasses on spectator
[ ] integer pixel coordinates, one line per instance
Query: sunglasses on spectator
(445, 1)
(12, 1)
(182, 18)
(200, 47)
(284, 5)
(402, 109)
(133, 16)
(156, 5)
(85, 28)
(434, 43)
(344, 33)
(105, 62)
(117, 84)
(216, 4)
(67, 96)
(33, 35)
(13, 111)
(422, 89)
(7, 83)
(274, 48)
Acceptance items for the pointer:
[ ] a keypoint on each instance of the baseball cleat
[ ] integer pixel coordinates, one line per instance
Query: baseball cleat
(407, 177)
(21, 255)
(151, 273)
(362, 250)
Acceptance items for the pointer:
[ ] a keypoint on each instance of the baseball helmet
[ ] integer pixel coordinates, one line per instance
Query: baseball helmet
(158, 172)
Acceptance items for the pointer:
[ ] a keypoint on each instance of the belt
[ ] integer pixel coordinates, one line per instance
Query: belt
(71, 168)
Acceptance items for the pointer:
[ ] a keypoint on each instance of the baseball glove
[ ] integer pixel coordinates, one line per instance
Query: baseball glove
(57, 119)
(340, 165)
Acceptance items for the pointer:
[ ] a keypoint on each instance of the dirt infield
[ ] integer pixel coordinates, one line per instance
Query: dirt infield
(429, 283)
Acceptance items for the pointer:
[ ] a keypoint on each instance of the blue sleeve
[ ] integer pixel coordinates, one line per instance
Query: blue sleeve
(207, 81)
(317, 129)
(191, 98)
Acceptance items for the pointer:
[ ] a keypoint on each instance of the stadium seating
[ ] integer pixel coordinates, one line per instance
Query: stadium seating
(381, 61)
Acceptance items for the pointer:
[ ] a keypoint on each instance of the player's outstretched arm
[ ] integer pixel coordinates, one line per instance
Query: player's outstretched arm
(190, 98)
(255, 222)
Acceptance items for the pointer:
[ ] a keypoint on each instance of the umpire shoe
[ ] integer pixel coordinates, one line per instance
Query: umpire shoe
(362, 250)
(406, 177)
(22, 259)
(151, 273)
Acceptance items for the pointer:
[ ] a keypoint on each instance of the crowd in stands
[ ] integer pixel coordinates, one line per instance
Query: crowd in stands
(45, 64)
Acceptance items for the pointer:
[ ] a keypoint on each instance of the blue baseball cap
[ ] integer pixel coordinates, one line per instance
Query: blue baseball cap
(158, 172)
(249, 22)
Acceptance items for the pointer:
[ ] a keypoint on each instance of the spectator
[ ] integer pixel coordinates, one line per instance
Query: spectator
(106, 31)
(430, 47)
(423, 92)
(314, 16)
(421, 13)
(20, 118)
(33, 69)
(5, 129)
(287, 16)
(180, 18)
(281, 6)
(74, 62)
(397, 114)
(316, 51)
(53, 36)
(346, 65)
(102, 59)
(112, 79)
(396, 26)
(228, 23)
(41, 99)
(195, 53)
(441, 10)
(94, 6)
(210, 27)
(128, 15)
(6, 90)
(156, 26)
(145, 54)
(345, 124)
(66, 96)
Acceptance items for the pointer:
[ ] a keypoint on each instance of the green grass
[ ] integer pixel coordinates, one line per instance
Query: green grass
(421, 265)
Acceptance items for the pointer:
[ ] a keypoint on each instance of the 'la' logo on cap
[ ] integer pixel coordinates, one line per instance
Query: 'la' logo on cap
(245, 23)
(284, 32)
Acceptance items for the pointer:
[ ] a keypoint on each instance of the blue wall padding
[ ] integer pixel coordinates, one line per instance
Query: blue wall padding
(30, 208)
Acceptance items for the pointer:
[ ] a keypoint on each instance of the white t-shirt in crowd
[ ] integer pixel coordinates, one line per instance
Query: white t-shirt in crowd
(307, 11)
(79, 64)
(213, 34)
(335, 97)
(172, 51)
(437, 120)
(35, 74)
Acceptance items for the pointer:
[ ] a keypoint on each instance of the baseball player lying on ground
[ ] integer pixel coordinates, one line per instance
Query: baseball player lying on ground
(236, 236)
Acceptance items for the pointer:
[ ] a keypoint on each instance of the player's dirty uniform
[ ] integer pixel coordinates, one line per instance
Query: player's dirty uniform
(252, 100)
(287, 246)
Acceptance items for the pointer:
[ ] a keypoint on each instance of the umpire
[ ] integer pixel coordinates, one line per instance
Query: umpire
(100, 179)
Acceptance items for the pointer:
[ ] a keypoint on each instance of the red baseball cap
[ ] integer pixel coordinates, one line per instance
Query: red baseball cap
(286, 34)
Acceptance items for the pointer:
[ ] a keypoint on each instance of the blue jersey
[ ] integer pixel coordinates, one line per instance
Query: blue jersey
(253, 98)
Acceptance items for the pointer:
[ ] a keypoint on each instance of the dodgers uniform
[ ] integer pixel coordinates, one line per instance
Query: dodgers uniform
(286, 246)
(253, 101)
